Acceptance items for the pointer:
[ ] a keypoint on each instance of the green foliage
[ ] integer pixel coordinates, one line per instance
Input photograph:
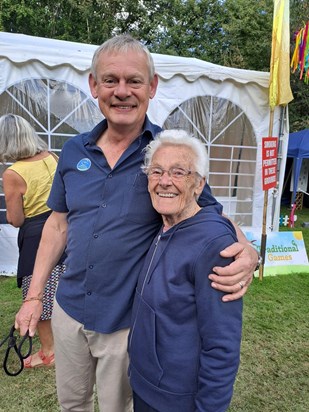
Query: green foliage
(299, 107)
(189, 28)
(86, 21)
(248, 32)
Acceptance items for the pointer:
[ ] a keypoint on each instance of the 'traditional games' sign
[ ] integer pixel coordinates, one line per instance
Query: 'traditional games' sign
(269, 162)
(285, 252)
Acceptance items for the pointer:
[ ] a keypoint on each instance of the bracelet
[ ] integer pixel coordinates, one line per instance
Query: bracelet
(31, 299)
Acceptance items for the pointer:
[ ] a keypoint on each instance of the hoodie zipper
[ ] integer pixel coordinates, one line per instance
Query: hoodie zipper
(149, 266)
(143, 286)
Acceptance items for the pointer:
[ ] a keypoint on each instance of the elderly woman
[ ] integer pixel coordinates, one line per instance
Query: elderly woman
(184, 343)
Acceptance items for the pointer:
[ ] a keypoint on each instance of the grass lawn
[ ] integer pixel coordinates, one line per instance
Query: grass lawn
(31, 391)
(273, 375)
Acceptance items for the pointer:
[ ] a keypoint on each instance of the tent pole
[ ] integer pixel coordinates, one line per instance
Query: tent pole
(264, 236)
(275, 191)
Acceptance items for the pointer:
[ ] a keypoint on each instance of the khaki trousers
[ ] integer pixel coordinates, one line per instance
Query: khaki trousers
(85, 358)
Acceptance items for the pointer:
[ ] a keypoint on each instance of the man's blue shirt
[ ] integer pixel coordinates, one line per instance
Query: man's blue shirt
(111, 224)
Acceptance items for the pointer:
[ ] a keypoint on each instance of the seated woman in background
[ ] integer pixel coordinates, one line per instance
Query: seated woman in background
(26, 186)
(184, 343)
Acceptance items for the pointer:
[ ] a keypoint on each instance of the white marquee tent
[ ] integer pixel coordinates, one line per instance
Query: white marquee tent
(46, 81)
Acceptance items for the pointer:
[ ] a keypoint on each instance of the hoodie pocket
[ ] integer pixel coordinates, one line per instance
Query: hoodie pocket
(142, 346)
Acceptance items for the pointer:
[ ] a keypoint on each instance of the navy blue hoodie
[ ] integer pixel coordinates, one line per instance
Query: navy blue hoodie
(184, 343)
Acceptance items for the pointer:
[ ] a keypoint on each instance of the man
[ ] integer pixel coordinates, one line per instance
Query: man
(102, 214)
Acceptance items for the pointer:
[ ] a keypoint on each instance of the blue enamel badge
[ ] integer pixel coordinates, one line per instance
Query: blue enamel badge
(84, 164)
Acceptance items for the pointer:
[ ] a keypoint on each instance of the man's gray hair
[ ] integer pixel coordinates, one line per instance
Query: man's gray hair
(122, 44)
(179, 137)
(18, 139)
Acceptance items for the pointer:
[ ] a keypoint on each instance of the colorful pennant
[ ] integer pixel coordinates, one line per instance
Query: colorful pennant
(300, 58)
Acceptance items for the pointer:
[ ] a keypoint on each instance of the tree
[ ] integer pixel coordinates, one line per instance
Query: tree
(86, 21)
(189, 28)
(248, 33)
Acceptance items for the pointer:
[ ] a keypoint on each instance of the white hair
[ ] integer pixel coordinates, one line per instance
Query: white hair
(179, 137)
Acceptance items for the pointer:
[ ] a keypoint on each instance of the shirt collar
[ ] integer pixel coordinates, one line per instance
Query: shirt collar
(149, 131)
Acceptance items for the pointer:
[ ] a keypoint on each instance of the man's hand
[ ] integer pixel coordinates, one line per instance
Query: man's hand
(28, 316)
(235, 278)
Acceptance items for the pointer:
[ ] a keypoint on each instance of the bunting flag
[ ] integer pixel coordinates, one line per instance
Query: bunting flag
(279, 84)
(300, 59)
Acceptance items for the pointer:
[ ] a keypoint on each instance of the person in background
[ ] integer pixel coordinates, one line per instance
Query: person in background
(26, 185)
(184, 343)
(102, 214)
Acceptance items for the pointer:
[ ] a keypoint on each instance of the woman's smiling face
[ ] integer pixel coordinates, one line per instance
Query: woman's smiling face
(174, 198)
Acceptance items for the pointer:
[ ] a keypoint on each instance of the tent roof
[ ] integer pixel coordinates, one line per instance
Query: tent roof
(299, 144)
(20, 48)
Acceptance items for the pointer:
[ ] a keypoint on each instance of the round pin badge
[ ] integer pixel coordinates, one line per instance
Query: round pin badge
(83, 164)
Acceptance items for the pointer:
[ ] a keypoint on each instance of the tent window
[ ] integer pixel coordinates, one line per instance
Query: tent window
(57, 111)
(231, 143)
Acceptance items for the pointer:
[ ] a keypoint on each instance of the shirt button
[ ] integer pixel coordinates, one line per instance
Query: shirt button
(95, 236)
(89, 293)
(90, 266)
(103, 205)
(110, 175)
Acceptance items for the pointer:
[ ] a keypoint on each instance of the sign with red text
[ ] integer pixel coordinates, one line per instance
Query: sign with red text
(269, 162)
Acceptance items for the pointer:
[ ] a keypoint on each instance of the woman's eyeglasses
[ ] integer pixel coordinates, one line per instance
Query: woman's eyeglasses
(175, 173)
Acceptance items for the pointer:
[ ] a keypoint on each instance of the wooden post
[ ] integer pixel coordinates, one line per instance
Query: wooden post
(264, 223)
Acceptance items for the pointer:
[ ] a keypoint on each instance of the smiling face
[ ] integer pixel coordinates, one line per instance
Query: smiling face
(175, 199)
(123, 88)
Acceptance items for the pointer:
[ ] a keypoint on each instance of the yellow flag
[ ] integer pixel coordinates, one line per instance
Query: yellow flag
(279, 84)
